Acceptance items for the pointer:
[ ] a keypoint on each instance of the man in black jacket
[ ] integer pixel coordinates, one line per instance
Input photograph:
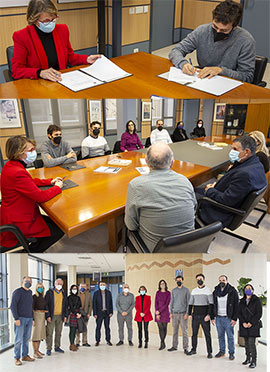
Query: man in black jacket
(56, 300)
(225, 312)
(103, 310)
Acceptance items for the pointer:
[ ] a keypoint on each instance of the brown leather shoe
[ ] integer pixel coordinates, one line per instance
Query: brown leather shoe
(27, 358)
(72, 347)
(18, 362)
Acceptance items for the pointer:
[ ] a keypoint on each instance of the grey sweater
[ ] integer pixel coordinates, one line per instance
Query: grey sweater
(180, 300)
(125, 303)
(235, 55)
(58, 153)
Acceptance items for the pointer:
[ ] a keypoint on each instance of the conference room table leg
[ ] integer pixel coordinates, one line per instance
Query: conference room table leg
(113, 234)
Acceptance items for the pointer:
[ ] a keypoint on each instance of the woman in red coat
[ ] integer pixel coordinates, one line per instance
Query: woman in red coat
(21, 195)
(143, 314)
(43, 48)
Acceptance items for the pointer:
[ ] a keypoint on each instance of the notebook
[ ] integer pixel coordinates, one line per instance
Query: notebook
(67, 184)
(73, 166)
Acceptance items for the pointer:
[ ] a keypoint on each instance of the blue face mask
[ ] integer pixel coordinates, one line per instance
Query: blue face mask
(234, 155)
(30, 157)
(142, 293)
(102, 287)
(82, 290)
(248, 292)
(47, 26)
(40, 290)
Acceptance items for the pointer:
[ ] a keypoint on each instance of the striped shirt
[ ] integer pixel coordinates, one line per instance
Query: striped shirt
(201, 301)
(92, 147)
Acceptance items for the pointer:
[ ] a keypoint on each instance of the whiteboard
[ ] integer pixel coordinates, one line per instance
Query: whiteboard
(11, 3)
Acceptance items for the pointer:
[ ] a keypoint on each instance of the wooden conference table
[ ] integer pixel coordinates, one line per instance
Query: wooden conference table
(101, 197)
(142, 84)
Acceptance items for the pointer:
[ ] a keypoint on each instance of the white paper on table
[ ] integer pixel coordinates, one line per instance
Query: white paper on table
(120, 162)
(143, 170)
(143, 161)
(103, 169)
(76, 80)
(105, 70)
(178, 76)
(209, 146)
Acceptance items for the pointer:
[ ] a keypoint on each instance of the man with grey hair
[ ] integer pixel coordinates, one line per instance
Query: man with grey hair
(125, 303)
(244, 176)
(56, 301)
(161, 203)
(22, 311)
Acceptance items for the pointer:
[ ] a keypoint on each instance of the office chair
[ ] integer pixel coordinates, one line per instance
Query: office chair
(23, 243)
(239, 214)
(8, 73)
(38, 163)
(116, 147)
(260, 66)
(195, 241)
(147, 142)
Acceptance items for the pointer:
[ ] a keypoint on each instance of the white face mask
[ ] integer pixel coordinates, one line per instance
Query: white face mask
(199, 125)
(58, 287)
(74, 291)
(126, 290)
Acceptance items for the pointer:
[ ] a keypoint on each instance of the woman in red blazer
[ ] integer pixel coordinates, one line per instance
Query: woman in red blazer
(43, 47)
(143, 314)
(21, 195)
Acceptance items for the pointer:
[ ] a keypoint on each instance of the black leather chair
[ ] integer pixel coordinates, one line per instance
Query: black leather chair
(8, 73)
(260, 66)
(195, 241)
(38, 163)
(23, 243)
(116, 147)
(147, 142)
(239, 214)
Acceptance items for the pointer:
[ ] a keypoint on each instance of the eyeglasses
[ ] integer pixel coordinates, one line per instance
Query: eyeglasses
(48, 21)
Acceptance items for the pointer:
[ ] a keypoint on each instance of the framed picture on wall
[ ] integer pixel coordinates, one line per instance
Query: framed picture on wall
(146, 111)
(72, 1)
(219, 113)
(95, 110)
(9, 114)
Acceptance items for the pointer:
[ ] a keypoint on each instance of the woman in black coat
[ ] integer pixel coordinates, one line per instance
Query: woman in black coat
(250, 313)
(179, 133)
(74, 305)
(199, 130)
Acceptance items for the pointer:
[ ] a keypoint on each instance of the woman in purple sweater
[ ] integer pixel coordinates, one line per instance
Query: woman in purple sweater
(130, 140)
(162, 314)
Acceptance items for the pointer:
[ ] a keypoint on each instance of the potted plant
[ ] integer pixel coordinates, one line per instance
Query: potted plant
(263, 298)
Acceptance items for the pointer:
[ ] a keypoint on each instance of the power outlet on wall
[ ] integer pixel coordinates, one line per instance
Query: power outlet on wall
(135, 50)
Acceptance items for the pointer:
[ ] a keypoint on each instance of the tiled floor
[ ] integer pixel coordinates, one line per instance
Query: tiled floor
(164, 52)
(126, 358)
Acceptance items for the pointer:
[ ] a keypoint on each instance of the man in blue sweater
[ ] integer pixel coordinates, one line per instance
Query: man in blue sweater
(22, 311)
(222, 46)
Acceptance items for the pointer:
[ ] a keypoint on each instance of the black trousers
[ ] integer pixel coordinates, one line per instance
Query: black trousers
(198, 320)
(72, 334)
(104, 316)
(162, 328)
(250, 347)
(146, 333)
(44, 243)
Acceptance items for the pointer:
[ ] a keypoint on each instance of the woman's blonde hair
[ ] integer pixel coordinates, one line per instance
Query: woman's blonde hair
(39, 284)
(16, 146)
(259, 136)
(36, 7)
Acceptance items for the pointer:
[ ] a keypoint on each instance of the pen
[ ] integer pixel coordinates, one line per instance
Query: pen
(64, 178)
(190, 62)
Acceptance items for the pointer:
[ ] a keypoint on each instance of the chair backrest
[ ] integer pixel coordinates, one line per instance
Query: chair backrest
(19, 235)
(248, 205)
(147, 142)
(195, 241)
(38, 163)
(260, 66)
(9, 52)
(116, 147)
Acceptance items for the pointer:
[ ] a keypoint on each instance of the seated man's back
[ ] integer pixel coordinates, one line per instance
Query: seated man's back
(160, 204)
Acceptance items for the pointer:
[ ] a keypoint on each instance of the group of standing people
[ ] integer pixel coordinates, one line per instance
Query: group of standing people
(221, 307)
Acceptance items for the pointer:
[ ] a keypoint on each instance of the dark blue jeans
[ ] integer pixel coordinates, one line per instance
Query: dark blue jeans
(223, 324)
(22, 337)
(103, 317)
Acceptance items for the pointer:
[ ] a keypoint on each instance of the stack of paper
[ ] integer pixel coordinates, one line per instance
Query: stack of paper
(120, 162)
(103, 169)
(209, 146)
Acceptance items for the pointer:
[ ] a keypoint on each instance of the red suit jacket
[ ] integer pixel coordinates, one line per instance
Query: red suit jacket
(29, 55)
(145, 309)
(20, 195)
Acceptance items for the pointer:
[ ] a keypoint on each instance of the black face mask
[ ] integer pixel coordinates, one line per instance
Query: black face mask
(200, 282)
(179, 284)
(57, 140)
(27, 285)
(218, 36)
(160, 127)
(96, 132)
(222, 285)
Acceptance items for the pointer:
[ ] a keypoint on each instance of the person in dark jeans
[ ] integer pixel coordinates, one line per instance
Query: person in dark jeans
(250, 313)
(103, 311)
(201, 308)
(74, 305)
(143, 315)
